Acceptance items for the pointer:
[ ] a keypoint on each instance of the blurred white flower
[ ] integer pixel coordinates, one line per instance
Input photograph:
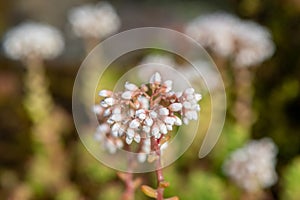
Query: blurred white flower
(95, 21)
(247, 43)
(159, 63)
(144, 115)
(253, 166)
(33, 39)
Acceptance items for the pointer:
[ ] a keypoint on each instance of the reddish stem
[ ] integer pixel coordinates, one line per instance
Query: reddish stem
(129, 184)
(159, 173)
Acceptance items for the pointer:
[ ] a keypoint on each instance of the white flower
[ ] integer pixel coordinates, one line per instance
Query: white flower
(246, 42)
(33, 40)
(168, 85)
(164, 111)
(127, 95)
(175, 107)
(105, 93)
(252, 167)
(134, 124)
(155, 78)
(96, 21)
(136, 116)
(130, 86)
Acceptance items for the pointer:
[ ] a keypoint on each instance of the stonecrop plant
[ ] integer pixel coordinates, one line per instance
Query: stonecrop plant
(141, 119)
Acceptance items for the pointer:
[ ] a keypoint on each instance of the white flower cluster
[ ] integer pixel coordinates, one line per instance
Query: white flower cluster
(95, 21)
(253, 166)
(33, 39)
(246, 42)
(144, 114)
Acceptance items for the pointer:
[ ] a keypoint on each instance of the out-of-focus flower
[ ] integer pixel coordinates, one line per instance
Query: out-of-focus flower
(33, 40)
(145, 114)
(94, 21)
(157, 63)
(252, 167)
(246, 42)
(168, 67)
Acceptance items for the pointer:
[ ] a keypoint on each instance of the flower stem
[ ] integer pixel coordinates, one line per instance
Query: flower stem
(127, 178)
(159, 172)
(160, 180)
(129, 186)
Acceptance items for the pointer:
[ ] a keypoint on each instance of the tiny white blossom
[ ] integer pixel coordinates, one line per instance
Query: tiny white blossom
(137, 138)
(163, 128)
(168, 85)
(149, 121)
(103, 128)
(169, 120)
(129, 140)
(175, 107)
(130, 86)
(105, 93)
(141, 114)
(146, 129)
(189, 91)
(155, 130)
(178, 121)
(110, 101)
(198, 97)
(155, 78)
(116, 110)
(134, 124)
(142, 157)
(97, 109)
(153, 114)
(115, 127)
(116, 117)
(130, 133)
(164, 111)
(127, 95)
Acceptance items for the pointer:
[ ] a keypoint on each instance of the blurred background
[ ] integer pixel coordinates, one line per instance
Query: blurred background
(41, 156)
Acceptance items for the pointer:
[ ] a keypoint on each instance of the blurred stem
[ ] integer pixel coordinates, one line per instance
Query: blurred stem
(90, 43)
(48, 122)
(38, 102)
(160, 181)
(128, 180)
(243, 102)
(254, 195)
(222, 66)
(129, 186)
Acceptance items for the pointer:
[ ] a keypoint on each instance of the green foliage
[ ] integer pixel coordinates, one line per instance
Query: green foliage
(291, 181)
(69, 193)
(204, 185)
(89, 166)
(112, 191)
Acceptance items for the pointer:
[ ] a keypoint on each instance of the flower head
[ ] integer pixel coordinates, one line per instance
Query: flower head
(145, 115)
(33, 39)
(95, 21)
(252, 167)
(247, 43)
